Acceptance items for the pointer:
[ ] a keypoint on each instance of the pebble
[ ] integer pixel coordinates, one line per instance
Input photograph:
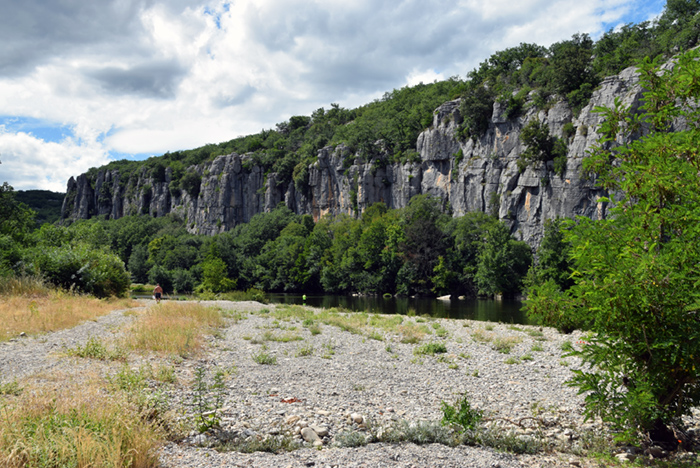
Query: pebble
(354, 383)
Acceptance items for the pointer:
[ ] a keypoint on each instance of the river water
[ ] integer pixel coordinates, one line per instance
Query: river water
(487, 310)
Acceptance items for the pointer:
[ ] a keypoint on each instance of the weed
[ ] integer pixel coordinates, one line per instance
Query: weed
(453, 366)
(263, 357)
(270, 444)
(412, 333)
(75, 425)
(306, 350)
(475, 373)
(358, 387)
(461, 414)
(207, 398)
(566, 346)
(388, 349)
(350, 439)
(512, 360)
(174, 328)
(329, 350)
(479, 336)
(431, 348)
(28, 306)
(488, 327)
(527, 357)
(10, 388)
(536, 347)
(420, 433)
(505, 344)
(95, 349)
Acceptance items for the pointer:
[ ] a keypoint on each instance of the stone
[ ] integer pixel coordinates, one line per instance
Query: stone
(310, 436)
(291, 420)
(625, 457)
(322, 431)
(357, 418)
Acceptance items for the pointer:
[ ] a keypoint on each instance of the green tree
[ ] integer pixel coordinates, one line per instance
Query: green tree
(552, 258)
(215, 276)
(636, 276)
(503, 262)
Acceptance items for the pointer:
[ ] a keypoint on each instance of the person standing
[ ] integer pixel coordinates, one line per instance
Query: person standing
(158, 293)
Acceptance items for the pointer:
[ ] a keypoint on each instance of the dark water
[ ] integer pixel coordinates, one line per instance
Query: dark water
(506, 311)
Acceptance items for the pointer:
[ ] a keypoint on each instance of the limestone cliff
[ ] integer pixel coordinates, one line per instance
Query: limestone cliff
(468, 175)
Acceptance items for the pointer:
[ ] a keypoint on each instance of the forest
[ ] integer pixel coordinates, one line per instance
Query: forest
(417, 250)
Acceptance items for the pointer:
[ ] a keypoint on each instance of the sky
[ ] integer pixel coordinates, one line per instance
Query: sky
(83, 83)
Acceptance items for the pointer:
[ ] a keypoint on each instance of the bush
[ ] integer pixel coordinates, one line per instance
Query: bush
(85, 269)
(636, 273)
(461, 414)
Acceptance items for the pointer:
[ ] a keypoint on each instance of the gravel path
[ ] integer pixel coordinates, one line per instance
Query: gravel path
(340, 385)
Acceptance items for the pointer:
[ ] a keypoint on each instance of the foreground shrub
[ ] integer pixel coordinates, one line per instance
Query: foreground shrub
(636, 276)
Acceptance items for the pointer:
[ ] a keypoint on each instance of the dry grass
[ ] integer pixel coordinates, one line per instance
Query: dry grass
(75, 425)
(173, 328)
(412, 333)
(44, 310)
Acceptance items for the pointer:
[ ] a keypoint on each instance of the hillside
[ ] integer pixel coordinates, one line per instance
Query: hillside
(508, 140)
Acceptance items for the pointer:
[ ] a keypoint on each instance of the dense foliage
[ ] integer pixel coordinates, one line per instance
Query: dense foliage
(416, 250)
(75, 259)
(636, 274)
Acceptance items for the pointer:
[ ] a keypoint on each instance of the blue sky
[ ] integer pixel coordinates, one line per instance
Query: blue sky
(83, 83)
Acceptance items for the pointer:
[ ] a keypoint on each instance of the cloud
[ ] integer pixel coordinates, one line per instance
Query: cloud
(150, 80)
(31, 163)
(150, 76)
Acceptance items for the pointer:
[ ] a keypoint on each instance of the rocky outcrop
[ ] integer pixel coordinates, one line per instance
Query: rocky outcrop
(468, 175)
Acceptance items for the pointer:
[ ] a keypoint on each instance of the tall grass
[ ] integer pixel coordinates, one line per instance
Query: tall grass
(174, 328)
(76, 426)
(27, 305)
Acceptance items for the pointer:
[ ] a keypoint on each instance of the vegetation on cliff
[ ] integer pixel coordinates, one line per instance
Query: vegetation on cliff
(387, 129)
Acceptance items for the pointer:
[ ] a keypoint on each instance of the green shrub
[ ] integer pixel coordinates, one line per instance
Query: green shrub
(461, 414)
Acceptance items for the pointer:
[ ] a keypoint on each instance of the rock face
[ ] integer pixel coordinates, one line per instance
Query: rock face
(468, 175)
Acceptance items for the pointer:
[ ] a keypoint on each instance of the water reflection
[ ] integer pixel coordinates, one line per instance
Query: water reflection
(507, 311)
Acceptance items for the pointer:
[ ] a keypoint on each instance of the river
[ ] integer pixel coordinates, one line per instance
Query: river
(487, 310)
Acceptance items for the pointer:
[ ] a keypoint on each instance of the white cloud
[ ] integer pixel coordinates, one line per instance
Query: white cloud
(31, 163)
(156, 76)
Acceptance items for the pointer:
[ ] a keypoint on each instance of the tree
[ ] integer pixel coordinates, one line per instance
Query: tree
(503, 262)
(16, 219)
(636, 276)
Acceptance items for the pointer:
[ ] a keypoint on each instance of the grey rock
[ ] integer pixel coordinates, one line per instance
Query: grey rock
(310, 436)
(484, 178)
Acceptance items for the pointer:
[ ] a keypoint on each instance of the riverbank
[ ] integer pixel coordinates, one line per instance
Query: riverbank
(336, 385)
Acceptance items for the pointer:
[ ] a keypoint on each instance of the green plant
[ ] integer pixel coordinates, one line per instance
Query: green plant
(10, 388)
(207, 398)
(461, 414)
(95, 349)
(263, 357)
(635, 279)
(306, 350)
(431, 348)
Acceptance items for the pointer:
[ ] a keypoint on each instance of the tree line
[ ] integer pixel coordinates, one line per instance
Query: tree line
(417, 250)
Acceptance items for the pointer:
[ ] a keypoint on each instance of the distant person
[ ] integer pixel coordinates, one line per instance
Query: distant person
(158, 293)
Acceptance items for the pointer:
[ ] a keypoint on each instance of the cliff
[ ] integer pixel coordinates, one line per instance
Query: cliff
(469, 175)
